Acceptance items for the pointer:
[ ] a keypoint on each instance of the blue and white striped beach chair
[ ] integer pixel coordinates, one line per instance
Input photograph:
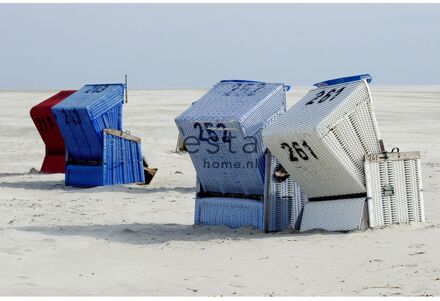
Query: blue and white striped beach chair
(222, 133)
(99, 153)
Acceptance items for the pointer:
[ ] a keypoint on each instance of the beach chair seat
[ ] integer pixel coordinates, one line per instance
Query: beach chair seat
(99, 152)
(335, 214)
(43, 119)
(279, 208)
(222, 134)
(394, 196)
(121, 163)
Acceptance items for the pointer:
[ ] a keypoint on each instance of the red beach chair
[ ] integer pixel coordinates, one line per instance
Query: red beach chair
(42, 116)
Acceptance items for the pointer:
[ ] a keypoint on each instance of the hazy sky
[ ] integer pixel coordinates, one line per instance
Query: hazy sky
(54, 46)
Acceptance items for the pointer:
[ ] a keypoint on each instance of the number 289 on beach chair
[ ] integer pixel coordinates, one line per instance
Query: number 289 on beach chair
(99, 152)
(235, 182)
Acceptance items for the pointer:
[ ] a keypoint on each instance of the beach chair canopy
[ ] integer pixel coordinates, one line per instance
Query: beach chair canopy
(322, 140)
(222, 133)
(84, 115)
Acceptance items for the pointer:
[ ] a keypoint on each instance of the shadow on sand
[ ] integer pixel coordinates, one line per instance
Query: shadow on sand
(59, 185)
(41, 185)
(13, 174)
(148, 234)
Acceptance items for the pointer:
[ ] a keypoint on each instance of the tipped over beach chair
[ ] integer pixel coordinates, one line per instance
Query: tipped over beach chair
(43, 119)
(323, 142)
(99, 152)
(235, 174)
(394, 188)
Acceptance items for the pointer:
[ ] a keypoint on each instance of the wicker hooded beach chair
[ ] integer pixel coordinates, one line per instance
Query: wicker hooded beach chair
(99, 152)
(222, 134)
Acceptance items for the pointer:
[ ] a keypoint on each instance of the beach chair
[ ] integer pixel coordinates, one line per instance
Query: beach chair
(42, 117)
(321, 142)
(99, 152)
(394, 188)
(330, 144)
(236, 185)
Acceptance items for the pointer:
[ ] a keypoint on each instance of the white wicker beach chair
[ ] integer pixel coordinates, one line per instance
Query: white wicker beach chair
(322, 140)
(330, 144)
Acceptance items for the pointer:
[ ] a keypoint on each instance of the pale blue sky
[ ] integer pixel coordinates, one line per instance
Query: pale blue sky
(54, 46)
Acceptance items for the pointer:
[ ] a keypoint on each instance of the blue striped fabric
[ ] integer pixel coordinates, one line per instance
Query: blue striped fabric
(80, 175)
(83, 116)
(231, 212)
(222, 133)
(285, 202)
(122, 161)
(121, 164)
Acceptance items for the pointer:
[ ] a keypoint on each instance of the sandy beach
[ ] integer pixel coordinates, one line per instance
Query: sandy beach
(140, 240)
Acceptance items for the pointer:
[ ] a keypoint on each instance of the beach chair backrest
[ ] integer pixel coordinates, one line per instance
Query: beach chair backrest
(322, 140)
(222, 133)
(84, 115)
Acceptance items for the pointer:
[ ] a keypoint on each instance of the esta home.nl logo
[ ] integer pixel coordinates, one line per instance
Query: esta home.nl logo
(213, 139)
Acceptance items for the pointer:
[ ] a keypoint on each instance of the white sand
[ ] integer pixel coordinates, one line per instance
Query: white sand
(132, 240)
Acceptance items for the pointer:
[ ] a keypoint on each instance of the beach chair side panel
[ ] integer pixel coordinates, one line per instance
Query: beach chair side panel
(46, 125)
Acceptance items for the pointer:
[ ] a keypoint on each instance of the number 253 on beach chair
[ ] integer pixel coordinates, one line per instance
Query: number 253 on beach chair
(99, 152)
(322, 142)
(42, 116)
(235, 174)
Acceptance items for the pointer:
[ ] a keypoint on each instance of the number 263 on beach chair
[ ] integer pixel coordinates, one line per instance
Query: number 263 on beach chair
(236, 185)
(99, 152)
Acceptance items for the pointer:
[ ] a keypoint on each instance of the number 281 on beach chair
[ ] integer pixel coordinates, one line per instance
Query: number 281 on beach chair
(99, 152)
(235, 175)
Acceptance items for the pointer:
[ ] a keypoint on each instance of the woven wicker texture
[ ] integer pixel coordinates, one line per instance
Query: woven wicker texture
(121, 164)
(333, 215)
(122, 161)
(222, 133)
(42, 116)
(322, 140)
(394, 190)
(285, 201)
(83, 116)
(231, 212)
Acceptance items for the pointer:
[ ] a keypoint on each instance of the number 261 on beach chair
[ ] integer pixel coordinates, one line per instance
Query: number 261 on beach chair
(325, 141)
